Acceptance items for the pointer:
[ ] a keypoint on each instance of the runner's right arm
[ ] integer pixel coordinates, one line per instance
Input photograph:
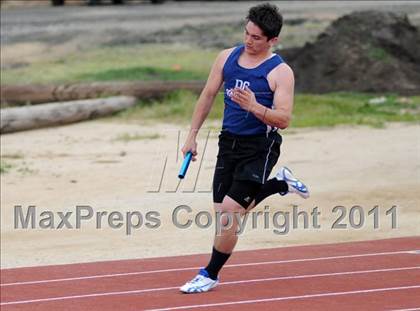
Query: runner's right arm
(205, 102)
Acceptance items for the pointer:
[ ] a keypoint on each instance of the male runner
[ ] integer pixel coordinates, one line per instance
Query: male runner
(258, 96)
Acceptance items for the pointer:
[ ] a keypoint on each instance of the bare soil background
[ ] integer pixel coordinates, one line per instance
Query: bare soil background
(86, 164)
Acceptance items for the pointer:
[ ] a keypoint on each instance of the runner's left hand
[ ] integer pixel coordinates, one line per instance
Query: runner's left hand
(244, 98)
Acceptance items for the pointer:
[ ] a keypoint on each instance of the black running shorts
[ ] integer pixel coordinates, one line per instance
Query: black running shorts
(243, 165)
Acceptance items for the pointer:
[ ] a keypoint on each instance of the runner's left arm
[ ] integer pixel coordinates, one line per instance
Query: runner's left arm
(281, 115)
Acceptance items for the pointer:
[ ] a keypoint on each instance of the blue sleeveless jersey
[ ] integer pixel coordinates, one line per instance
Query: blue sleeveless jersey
(237, 120)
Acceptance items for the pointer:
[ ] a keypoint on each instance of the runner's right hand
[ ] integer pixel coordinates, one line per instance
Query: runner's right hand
(190, 145)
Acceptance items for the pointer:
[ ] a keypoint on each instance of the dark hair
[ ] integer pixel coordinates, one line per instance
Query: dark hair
(268, 18)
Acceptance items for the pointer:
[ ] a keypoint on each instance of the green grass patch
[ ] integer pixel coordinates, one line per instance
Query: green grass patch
(4, 167)
(378, 54)
(175, 107)
(184, 62)
(142, 62)
(309, 110)
(140, 73)
(13, 156)
(354, 109)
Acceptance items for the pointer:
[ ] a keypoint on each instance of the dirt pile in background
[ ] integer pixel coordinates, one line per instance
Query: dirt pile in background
(366, 51)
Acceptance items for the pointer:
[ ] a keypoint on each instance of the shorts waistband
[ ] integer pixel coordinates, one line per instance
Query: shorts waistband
(228, 134)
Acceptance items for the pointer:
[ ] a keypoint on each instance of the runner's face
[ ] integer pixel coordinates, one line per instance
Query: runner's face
(255, 41)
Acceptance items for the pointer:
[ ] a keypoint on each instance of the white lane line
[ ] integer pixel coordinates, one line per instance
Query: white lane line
(241, 302)
(98, 276)
(139, 291)
(409, 309)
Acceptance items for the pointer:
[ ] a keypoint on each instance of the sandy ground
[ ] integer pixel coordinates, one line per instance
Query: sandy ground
(61, 168)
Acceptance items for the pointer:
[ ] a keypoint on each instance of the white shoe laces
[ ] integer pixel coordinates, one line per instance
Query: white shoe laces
(197, 279)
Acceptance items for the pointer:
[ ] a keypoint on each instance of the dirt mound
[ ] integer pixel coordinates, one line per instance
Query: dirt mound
(366, 51)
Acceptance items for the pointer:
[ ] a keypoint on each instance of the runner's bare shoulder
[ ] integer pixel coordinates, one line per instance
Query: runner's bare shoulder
(223, 56)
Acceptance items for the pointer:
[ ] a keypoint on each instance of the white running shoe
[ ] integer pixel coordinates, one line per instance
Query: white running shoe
(201, 283)
(295, 185)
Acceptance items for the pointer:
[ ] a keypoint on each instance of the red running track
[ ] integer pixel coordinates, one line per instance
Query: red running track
(372, 275)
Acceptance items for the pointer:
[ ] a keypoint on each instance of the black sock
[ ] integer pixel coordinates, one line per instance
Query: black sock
(270, 187)
(218, 259)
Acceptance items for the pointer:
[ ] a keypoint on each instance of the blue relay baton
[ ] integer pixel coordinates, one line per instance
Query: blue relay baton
(185, 165)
